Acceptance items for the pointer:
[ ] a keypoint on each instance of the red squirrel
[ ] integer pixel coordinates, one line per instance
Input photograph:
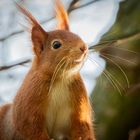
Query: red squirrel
(52, 102)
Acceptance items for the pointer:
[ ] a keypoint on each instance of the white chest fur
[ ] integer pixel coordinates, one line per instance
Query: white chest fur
(59, 111)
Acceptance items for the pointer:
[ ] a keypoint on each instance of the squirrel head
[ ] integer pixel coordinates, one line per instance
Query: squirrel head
(58, 49)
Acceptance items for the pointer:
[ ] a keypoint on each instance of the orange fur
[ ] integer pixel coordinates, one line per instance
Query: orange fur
(62, 16)
(43, 109)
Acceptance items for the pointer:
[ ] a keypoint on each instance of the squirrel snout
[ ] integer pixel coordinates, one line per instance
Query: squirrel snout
(83, 49)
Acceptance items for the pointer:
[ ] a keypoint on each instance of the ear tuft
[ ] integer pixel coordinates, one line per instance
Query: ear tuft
(28, 15)
(38, 35)
(62, 16)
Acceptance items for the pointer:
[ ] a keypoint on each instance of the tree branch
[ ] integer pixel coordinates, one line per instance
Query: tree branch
(74, 5)
(14, 64)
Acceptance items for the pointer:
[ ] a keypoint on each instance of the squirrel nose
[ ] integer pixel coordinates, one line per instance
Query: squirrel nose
(83, 49)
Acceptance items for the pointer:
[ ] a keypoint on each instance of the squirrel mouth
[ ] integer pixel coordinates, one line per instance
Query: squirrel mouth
(80, 60)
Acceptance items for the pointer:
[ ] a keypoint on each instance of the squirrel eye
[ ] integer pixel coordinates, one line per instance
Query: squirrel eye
(56, 44)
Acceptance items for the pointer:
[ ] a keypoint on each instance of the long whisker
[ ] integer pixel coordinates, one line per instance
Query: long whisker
(127, 50)
(110, 80)
(63, 72)
(59, 65)
(102, 45)
(114, 80)
(113, 43)
(119, 58)
(109, 76)
(106, 74)
(70, 63)
(63, 75)
(54, 76)
(120, 68)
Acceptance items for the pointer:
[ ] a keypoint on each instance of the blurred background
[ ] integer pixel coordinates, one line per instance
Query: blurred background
(111, 28)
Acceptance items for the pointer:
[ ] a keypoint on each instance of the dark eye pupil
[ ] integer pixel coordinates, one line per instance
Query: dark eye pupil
(56, 45)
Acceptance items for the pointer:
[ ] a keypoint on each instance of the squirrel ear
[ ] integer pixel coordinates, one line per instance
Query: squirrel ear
(38, 34)
(62, 16)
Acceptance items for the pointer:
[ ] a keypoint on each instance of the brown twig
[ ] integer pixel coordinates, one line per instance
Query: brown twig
(75, 5)
(14, 64)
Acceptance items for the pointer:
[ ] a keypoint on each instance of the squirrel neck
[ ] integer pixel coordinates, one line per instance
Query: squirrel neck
(38, 85)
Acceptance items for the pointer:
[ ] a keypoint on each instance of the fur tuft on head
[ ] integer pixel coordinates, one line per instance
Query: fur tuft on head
(28, 15)
(62, 16)
(38, 34)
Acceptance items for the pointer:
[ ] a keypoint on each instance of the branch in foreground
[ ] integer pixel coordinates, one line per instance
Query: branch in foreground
(14, 64)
